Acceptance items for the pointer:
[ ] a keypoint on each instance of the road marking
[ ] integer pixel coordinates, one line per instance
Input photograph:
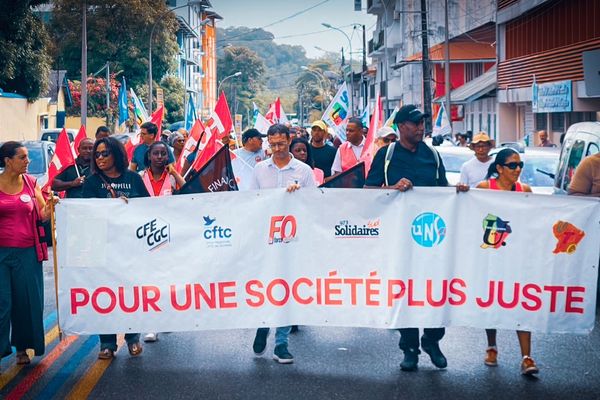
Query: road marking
(30, 379)
(10, 373)
(89, 381)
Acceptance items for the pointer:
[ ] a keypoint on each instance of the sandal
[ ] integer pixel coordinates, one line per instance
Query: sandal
(106, 354)
(135, 349)
(23, 358)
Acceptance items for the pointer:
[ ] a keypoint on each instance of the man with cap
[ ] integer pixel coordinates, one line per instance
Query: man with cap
(323, 154)
(475, 170)
(412, 163)
(252, 151)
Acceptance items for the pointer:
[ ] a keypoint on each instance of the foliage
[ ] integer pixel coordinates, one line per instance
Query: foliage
(117, 31)
(174, 98)
(96, 91)
(24, 62)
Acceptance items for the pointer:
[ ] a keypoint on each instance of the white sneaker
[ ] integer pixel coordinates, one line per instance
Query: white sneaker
(151, 337)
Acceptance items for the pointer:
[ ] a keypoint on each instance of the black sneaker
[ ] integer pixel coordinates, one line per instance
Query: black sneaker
(437, 357)
(282, 355)
(411, 359)
(260, 341)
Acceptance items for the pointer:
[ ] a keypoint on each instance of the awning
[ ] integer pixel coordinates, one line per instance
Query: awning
(474, 89)
(460, 52)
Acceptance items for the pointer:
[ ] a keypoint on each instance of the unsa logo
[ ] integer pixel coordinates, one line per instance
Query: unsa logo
(154, 233)
(214, 231)
(282, 229)
(428, 229)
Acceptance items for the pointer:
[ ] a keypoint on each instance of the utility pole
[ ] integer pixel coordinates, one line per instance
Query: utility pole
(84, 66)
(447, 66)
(364, 68)
(426, 66)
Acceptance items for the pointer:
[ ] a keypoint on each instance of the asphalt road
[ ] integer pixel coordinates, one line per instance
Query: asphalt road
(330, 363)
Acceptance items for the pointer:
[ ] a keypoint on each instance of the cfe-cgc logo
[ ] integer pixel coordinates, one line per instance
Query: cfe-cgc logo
(428, 229)
(216, 235)
(282, 229)
(495, 232)
(347, 230)
(154, 233)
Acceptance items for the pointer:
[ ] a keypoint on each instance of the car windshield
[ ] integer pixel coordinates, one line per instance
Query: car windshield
(530, 174)
(36, 160)
(453, 162)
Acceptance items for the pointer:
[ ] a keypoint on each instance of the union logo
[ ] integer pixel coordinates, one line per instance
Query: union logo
(568, 236)
(495, 232)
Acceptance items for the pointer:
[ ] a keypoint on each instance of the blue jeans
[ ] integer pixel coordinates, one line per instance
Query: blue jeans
(281, 334)
(110, 341)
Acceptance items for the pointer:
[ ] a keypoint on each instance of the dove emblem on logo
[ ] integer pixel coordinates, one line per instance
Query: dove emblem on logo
(208, 220)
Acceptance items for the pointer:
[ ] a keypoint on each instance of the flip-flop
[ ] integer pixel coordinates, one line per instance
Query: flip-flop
(23, 359)
(135, 349)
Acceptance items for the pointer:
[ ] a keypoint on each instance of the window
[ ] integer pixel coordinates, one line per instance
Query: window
(473, 70)
(541, 121)
(558, 122)
(567, 166)
(592, 149)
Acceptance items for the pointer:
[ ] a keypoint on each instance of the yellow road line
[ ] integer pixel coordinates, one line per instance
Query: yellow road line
(84, 387)
(9, 374)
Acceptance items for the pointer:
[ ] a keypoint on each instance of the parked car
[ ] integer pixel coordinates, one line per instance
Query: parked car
(453, 158)
(581, 140)
(539, 169)
(51, 135)
(40, 155)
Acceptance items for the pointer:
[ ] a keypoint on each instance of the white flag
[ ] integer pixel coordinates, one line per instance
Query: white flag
(442, 123)
(336, 114)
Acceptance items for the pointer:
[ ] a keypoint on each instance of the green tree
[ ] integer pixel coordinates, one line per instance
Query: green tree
(174, 98)
(24, 62)
(117, 31)
(240, 90)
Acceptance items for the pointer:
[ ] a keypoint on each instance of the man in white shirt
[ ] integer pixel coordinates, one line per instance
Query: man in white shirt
(252, 152)
(282, 170)
(348, 154)
(475, 170)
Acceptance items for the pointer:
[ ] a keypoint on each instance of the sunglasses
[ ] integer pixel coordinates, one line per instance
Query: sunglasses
(387, 140)
(104, 154)
(513, 165)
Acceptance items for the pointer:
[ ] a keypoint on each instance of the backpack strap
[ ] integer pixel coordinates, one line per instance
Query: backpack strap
(436, 156)
(388, 158)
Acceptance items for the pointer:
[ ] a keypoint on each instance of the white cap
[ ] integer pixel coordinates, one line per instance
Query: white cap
(385, 131)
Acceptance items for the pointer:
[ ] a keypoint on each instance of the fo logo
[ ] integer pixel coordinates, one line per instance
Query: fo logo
(282, 229)
(154, 233)
(495, 232)
(428, 229)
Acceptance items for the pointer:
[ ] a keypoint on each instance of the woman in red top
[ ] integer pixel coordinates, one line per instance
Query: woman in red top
(503, 174)
(160, 177)
(21, 256)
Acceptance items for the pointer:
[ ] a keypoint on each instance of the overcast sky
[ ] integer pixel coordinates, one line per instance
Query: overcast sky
(306, 29)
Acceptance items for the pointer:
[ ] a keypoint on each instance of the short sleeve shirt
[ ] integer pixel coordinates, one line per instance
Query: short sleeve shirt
(267, 175)
(419, 167)
(323, 157)
(69, 175)
(129, 184)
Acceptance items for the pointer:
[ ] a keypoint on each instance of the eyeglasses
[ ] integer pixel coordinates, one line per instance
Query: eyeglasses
(513, 165)
(104, 154)
(280, 145)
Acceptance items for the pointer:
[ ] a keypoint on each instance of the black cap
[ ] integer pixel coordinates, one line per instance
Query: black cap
(409, 112)
(250, 133)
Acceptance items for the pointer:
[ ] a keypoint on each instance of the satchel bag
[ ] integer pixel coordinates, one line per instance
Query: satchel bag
(42, 229)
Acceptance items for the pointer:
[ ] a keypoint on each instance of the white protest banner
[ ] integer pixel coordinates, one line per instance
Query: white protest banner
(336, 113)
(362, 258)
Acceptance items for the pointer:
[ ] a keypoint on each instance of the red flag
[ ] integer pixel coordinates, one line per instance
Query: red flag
(61, 160)
(271, 115)
(156, 118)
(220, 122)
(131, 145)
(368, 151)
(190, 144)
(80, 136)
(216, 176)
(205, 152)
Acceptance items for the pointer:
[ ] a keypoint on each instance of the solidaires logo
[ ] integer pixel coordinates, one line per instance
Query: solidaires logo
(428, 229)
(154, 233)
(495, 232)
(346, 230)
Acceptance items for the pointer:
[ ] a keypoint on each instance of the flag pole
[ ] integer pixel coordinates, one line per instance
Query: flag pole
(55, 259)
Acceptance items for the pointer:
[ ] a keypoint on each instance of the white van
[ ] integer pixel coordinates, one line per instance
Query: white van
(581, 140)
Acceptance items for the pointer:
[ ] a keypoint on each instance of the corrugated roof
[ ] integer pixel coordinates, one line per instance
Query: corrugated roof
(474, 89)
(459, 51)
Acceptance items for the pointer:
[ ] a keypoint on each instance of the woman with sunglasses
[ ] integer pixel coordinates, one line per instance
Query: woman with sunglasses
(111, 178)
(503, 174)
(300, 149)
(385, 135)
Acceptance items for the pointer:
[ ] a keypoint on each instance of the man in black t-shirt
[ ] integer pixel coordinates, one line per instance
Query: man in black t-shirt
(71, 179)
(322, 153)
(412, 163)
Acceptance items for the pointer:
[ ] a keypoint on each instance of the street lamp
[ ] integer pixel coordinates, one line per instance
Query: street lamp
(227, 77)
(188, 4)
(329, 26)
